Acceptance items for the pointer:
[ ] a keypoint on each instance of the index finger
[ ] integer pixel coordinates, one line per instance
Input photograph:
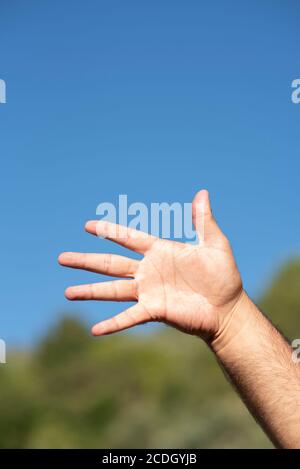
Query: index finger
(137, 241)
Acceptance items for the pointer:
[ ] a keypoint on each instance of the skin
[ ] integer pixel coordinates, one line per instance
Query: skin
(198, 290)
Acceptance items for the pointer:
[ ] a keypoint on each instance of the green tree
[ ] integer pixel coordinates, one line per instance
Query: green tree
(281, 302)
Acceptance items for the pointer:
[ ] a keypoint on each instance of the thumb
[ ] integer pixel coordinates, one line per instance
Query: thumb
(203, 220)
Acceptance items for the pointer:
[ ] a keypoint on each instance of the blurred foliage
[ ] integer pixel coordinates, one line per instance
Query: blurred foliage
(282, 300)
(154, 390)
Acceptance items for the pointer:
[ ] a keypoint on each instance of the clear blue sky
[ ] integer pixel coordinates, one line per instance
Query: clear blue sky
(154, 99)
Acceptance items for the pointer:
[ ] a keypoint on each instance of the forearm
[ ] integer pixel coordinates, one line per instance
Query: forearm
(258, 361)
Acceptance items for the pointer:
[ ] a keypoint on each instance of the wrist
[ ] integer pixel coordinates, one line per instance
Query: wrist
(235, 324)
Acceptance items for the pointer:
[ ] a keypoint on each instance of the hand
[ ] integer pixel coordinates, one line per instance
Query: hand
(194, 288)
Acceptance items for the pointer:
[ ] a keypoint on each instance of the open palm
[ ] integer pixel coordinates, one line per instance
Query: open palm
(191, 287)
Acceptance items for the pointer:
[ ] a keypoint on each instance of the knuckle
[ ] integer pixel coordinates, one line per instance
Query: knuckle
(107, 261)
(92, 291)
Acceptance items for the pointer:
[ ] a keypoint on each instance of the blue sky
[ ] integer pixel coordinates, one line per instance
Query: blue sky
(154, 99)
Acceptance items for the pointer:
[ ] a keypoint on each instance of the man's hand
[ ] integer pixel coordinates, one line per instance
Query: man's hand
(198, 289)
(194, 288)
